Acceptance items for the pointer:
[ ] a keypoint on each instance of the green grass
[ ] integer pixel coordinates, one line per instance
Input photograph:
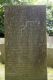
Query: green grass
(50, 73)
(2, 72)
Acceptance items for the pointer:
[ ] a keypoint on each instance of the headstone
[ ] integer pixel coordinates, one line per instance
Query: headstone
(25, 43)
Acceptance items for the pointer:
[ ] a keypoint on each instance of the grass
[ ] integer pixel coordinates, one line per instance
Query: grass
(2, 72)
(50, 73)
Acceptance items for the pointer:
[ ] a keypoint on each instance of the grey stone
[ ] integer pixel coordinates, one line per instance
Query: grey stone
(25, 43)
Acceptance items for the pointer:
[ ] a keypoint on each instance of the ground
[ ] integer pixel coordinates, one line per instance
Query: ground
(50, 73)
(2, 72)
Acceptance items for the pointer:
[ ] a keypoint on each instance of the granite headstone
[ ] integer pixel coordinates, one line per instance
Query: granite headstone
(25, 43)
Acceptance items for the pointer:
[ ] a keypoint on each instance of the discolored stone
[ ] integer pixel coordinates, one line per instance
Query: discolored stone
(25, 44)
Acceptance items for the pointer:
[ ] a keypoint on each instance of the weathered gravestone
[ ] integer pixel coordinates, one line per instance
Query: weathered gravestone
(25, 44)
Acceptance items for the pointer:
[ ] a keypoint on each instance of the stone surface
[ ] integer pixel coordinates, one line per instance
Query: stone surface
(25, 43)
(2, 50)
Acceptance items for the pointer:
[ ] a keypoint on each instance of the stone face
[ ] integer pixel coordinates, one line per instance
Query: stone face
(25, 44)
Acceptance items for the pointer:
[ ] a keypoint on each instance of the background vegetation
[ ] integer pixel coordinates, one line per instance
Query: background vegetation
(49, 19)
(49, 11)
